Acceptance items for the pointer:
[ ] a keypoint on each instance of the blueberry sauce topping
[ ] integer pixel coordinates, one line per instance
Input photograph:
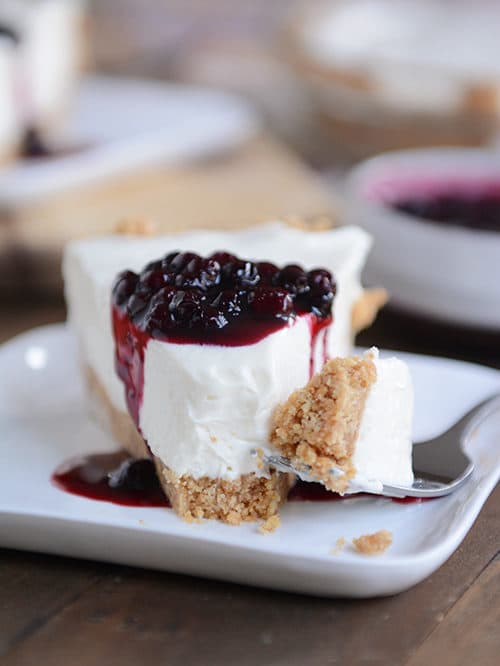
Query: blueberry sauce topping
(216, 300)
(473, 210)
(185, 296)
(112, 477)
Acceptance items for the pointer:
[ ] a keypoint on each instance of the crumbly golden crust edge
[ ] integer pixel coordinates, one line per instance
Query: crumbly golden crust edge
(318, 425)
(366, 308)
(247, 498)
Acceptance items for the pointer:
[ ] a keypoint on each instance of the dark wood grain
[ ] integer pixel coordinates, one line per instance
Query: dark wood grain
(469, 633)
(33, 589)
(128, 616)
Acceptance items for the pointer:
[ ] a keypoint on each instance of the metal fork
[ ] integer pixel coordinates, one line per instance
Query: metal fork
(440, 465)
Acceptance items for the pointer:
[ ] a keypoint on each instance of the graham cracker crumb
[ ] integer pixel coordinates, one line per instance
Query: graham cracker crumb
(339, 546)
(270, 524)
(373, 544)
(318, 425)
(136, 226)
(321, 222)
(366, 308)
(260, 458)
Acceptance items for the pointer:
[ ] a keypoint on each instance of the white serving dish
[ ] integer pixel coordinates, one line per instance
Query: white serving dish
(448, 273)
(43, 421)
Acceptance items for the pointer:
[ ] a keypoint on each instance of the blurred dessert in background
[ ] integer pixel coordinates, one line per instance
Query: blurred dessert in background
(41, 54)
(390, 75)
(434, 214)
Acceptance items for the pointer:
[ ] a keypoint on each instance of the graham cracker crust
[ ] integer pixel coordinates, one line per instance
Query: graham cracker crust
(247, 498)
(318, 425)
(366, 308)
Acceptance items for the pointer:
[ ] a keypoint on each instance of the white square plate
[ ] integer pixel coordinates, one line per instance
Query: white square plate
(43, 421)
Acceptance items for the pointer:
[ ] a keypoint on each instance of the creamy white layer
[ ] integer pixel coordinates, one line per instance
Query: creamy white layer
(205, 408)
(90, 267)
(383, 450)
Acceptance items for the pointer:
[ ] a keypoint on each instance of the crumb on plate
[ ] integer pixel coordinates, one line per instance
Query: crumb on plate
(373, 544)
(269, 525)
(260, 458)
(339, 545)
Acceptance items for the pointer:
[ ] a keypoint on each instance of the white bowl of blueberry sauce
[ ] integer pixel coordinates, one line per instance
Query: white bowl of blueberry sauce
(435, 217)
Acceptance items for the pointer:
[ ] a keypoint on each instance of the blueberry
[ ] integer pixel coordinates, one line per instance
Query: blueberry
(136, 304)
(167, 260)
(213, 318)
(199, 273)
(230, 303)
(322, 305)
(134, 474)
(158, 319)
(152, 280)
(241, 274)
(271, 302)
(152, 266)
(223, 258)
(320, 281)
(267, 272)
(124, 286)
(186, 308)
(294, 279)
(181, 260)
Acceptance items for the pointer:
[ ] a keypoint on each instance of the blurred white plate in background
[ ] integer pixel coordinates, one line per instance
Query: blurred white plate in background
(125, 124)
(446, 272)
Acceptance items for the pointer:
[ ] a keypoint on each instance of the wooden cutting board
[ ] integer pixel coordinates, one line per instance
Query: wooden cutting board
(260, 181)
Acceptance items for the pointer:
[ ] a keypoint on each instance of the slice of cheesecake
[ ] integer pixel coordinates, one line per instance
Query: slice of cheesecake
(191, 353)
(355, 417)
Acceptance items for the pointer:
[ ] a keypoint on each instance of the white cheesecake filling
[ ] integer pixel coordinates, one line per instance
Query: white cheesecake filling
(91, 266)
(205, 407)
(383, 450)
